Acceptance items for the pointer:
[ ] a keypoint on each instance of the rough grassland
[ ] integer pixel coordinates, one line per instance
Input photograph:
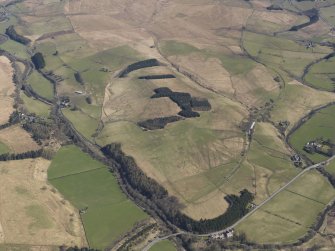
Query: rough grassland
(281, 220)
(321, 125)
(26, 143)
(7, 89)
(165, 245)
(32, 209)
(87, 183)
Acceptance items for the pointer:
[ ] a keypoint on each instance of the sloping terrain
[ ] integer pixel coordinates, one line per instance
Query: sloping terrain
(205, 95)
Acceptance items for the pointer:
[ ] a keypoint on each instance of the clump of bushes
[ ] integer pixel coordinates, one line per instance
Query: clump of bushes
(79, 78)
(158, 123)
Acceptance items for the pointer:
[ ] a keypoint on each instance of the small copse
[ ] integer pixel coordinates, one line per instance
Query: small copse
(158, 123)
(38, 60)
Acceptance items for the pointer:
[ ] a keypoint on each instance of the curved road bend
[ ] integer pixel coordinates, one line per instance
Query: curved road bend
(324, 163)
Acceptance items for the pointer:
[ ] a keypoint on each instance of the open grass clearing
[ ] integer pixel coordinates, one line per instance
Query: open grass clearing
(35, 106)
(33, 210)
(88, 183)
(7, 89)
(320, 125)
(17, 139)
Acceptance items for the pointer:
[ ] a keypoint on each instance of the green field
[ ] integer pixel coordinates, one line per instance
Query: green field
(40, 85)
(322, 75)
(16, 49)
(85, 124)
(87, 183)
(165, 245)
(35, 106)
(321, 125)
(289, 215)
(3, 148)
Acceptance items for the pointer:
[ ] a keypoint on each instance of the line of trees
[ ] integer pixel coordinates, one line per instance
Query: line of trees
(19, 156)
(139, 65)
(169, 205)
(12, 34)
(162, 76)
(75, 248)
(313, 15)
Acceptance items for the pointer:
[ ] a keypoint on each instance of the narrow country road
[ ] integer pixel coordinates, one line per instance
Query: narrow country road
(324, 163)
